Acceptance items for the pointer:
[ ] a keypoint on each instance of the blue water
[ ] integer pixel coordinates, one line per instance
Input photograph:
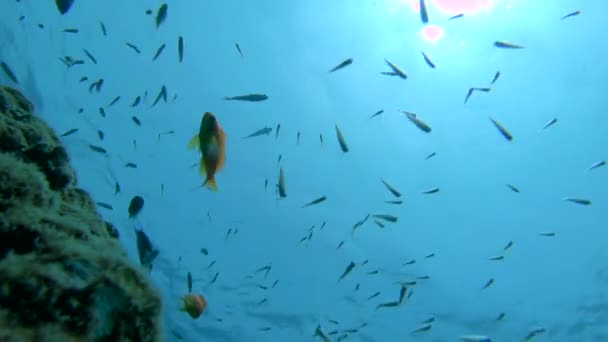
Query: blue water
(556, 283)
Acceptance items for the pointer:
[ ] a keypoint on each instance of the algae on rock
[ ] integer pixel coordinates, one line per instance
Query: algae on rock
(63, 274)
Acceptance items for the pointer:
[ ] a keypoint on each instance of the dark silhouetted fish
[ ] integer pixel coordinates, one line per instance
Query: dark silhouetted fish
(570, 15)
(64, 5)
(428, 60)
(90, 56)
(424, 16)
(9, 73)
(577, 200)
(393, 191)
(456, 16)
(132, 46)
(249, 98)
(135, 206)
(162, 94)
(315, 201)
(116, 99)
(161, 15)
(507, 45)
(549, 123)
(158, 52)
(341, 141)
(496, 76)
(180, 48)
(342, 65)
(281, 184)
(136, 101)
(146, 252)
(262, 131)
(503, 131)
(377, 113)
(423, 126)
(70, 132)
(396, 70)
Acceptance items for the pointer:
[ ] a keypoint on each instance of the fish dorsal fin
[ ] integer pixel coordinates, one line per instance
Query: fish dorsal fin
(194, 142)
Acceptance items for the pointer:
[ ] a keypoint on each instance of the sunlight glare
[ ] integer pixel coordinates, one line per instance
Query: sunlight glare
(461, 6)
(432, 33)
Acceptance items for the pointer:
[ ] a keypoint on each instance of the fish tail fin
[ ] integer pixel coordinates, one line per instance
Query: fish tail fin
(211, 184)
(194, 142)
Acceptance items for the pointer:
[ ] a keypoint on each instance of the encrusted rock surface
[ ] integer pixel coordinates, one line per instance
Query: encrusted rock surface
(63, 274)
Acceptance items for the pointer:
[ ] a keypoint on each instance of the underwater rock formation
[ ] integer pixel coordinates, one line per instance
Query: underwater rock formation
(63, 274)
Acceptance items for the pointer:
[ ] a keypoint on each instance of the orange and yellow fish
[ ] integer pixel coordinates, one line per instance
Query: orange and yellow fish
(193, 304)
(211, 142)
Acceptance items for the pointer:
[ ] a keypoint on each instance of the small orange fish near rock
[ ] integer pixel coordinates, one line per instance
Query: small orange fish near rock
(193, 304)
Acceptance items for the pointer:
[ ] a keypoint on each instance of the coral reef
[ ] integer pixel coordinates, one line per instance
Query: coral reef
(63, 274)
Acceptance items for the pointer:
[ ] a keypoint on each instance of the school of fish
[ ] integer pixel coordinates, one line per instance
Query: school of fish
(210, 143)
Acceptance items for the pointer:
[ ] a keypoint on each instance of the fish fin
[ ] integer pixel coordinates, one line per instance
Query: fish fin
(194, 142)
(210, 183)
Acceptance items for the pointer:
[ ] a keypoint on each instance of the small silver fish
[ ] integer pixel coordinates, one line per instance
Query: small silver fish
(315, 201)
(549, 123)
(9, 73)
(431, 191)
(249, 98)
(576, 200)
(180, 48)
(392, 190)
(507, 45)
(377, 113)
(422, 328)
(424, 17)
(488, 283)
(570, 15)
(341, 141)
(423, 126)
(396, 70)
(161, 15)
(596, 165)
(259, 132)
(90, 55)
(496, 76)
(342, 65)
(428, 60)
(386, 217)
(514, 189)
(158, 52)
(503, 131)
(456, 16)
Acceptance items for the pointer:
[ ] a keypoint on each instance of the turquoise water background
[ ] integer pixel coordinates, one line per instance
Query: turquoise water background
(558, 283)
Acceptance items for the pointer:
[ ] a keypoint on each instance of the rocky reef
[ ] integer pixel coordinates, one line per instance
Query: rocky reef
(63, 274)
